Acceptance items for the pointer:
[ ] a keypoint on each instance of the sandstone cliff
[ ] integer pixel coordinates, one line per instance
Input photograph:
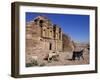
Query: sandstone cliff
(68, 44)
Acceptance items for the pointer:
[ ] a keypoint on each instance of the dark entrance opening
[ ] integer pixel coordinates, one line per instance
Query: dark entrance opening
(50, 46)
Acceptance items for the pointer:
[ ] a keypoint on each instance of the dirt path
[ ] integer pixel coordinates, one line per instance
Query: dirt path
(65, 58)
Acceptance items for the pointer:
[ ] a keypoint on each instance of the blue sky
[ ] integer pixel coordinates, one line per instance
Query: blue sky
(76, 26)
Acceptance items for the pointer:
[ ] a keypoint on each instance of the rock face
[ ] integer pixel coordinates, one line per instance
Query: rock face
(42, 36)
(68, 44)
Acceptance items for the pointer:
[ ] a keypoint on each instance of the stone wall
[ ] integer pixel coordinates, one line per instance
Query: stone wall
(42, 37)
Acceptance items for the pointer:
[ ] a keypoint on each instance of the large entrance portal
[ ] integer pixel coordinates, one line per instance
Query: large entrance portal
(50, 46)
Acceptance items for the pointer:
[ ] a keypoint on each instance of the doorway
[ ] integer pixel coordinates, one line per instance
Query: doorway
(50, 46)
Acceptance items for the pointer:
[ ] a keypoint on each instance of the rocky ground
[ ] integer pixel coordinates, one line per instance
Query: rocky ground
(65, 58)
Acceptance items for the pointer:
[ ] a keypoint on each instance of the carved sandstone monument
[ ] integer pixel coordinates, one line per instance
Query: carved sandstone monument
(42, 36)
